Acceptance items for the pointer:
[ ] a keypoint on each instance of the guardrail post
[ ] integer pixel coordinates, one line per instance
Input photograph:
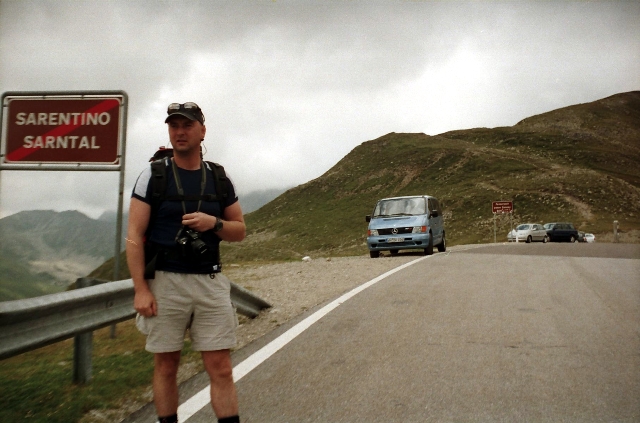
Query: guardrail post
(83, 347)
(615, 231)
(82, 352)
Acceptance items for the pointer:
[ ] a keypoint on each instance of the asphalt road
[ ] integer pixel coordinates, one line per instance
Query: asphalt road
(500, 333)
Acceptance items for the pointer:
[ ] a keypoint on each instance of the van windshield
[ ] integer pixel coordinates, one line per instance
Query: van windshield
(401, 207)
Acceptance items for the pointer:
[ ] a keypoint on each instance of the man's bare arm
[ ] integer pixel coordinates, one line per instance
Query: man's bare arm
(139, 214)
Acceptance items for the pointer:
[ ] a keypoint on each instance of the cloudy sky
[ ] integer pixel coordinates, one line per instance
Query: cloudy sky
(288, 88)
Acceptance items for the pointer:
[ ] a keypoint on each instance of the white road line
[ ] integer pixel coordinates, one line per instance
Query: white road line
(202, 398)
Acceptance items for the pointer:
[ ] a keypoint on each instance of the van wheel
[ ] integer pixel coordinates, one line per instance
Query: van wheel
(429, 250)
(374, 254)
(442, 247)
(529, 239)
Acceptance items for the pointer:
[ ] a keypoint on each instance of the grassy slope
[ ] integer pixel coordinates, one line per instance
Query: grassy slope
(578, 164)
(17, 282)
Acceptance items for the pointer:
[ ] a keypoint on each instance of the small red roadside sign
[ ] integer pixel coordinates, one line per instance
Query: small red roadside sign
(62, 130)
(502, 206)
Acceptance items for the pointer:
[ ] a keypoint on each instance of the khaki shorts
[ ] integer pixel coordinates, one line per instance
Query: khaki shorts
(195, 303)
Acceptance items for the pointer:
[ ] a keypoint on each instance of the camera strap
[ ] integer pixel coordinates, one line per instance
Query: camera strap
(154, 254)
(203, 185)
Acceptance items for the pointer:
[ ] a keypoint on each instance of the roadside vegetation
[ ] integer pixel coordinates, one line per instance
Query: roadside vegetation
(37, 386)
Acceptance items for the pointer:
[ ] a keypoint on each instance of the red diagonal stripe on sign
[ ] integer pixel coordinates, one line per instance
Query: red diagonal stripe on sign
(62, 130)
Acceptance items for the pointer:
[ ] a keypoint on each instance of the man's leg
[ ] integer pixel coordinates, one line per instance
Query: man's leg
(223, 391)
(165, 383)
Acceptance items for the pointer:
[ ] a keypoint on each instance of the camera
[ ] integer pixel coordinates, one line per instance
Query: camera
(191, 244)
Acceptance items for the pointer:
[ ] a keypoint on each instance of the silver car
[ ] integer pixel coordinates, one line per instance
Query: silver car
(528, 232)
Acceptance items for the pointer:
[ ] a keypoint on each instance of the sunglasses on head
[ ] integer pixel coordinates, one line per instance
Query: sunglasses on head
(174, 107)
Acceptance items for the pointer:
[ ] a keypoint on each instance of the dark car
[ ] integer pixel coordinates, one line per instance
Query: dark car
(561, 231)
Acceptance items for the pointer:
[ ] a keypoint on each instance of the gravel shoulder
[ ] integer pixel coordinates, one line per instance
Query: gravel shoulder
(291, 288)
(294, 287)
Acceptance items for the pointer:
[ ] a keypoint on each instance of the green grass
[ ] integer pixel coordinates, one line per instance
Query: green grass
(16, 281)
(37, 386)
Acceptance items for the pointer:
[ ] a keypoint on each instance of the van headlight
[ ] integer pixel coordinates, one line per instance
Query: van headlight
(373, 232)
(419, 229)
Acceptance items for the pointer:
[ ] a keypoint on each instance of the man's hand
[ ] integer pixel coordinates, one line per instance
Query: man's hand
(145, 303)
(199, 221)
(233, 228)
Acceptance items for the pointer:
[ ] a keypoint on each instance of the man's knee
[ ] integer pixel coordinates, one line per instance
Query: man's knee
(166, 364)
(218, 364)
(223, 372)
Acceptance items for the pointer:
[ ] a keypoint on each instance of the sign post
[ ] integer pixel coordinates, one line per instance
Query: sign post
(72, 131)
(500, 207)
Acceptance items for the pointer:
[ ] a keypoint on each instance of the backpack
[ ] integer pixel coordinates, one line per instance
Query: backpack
(159, 163)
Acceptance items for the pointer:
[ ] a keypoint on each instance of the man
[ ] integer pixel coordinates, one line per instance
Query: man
(184, 289)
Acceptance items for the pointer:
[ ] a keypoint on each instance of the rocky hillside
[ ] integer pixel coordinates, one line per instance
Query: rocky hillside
(43, 251)
(580, 163)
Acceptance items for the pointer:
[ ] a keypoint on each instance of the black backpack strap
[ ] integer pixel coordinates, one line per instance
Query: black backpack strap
(221, 182)
(158, 195)
(150, 260)
(158, 186)
(158, 183)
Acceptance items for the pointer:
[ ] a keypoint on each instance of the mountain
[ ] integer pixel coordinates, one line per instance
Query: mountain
(43, 251)
(255, 199)
(579, 163)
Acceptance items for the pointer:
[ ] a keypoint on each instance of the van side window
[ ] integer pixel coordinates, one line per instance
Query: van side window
(433, 207)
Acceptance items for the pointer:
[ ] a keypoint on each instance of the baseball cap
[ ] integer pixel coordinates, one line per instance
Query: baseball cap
(189, 110)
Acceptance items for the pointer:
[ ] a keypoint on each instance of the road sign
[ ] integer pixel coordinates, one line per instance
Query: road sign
(62, 129)
(502, 206)
(69, 130)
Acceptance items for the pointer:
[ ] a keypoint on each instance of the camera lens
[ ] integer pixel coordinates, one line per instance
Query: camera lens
(199, 247)
(191, 244)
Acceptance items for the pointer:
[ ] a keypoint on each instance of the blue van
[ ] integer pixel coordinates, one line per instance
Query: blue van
(405, 223)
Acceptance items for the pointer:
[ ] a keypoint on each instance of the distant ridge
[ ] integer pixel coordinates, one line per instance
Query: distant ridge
(579, 163)
(43, 251)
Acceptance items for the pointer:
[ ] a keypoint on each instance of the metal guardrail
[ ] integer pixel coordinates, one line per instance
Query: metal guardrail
(35, 322)
(246, 302)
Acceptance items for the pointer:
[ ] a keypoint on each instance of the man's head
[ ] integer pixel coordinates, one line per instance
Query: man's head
(186, 127)
(189, 110)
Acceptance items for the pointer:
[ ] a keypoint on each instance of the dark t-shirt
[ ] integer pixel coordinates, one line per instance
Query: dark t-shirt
(168, 222)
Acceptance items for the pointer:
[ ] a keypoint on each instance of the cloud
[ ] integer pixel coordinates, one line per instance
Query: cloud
(288, 88)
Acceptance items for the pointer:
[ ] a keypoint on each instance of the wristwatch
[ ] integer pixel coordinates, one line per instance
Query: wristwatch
(218, 224)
